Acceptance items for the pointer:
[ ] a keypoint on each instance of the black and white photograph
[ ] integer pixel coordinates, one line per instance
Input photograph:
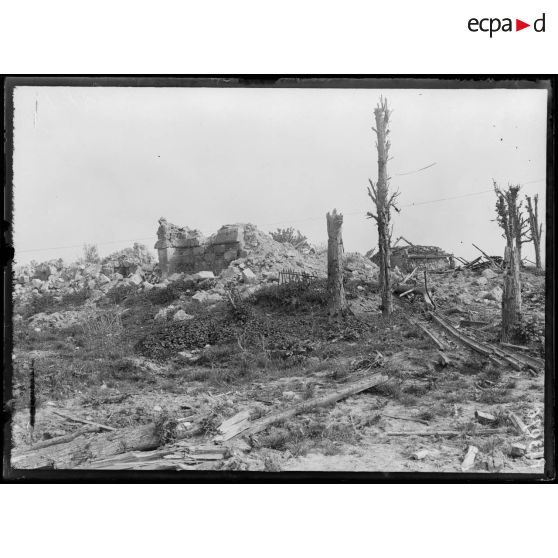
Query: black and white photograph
(304, 275)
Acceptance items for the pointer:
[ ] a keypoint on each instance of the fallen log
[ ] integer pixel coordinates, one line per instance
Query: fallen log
(169, 458)
(465, 339)
(441, 346)
(263, 423)
(75, 452)
(515, 361)
(510, 346)
(83, 421)
(473, 323)
(64, 439)
(444, 432)
(403, 287)
(411, 419)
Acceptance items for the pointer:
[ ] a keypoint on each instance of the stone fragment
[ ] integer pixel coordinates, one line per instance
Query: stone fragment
(204, 275)
(485, 418)
(181, 316)
(518, 450)
(135, 279)
(248, 276)
(203, 297)
(421, 454)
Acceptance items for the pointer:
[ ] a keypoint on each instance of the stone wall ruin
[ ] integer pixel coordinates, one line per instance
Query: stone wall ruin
(185, 250)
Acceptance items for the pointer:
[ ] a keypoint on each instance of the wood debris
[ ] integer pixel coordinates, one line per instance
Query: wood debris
(469, 461)
(259, 425)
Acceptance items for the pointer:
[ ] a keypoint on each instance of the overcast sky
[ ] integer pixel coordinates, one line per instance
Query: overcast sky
(102, 165)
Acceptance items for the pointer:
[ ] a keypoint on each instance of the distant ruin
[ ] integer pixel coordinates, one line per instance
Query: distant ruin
(406, 258)
(184, 250)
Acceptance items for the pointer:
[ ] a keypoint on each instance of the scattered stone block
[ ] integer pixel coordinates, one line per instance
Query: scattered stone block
(103, 279)
(518, 449)
(248, 276)
(135, 279)
(485, 418)
(181, 316)
(203, 297)
(421, 454)
(204, 275)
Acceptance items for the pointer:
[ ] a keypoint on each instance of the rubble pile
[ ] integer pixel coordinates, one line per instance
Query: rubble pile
(133, 267)
(406, 258)
(258, 261)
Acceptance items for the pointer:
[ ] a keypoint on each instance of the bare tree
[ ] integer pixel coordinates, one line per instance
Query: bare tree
(521, 230)
(379, 194)
(535, 228)
(506, 211)
(335, 288)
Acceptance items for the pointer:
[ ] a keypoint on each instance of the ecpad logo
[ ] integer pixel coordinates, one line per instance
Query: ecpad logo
(493, 25)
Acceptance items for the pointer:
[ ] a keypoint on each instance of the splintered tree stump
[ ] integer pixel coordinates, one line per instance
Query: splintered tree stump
(335, 290)
(507, 217)
(511, 297)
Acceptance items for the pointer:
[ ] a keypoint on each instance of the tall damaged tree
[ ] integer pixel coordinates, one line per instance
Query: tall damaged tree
(521, 230)
(380, 196)
(506, 211)
(335, 289)
(535, 228)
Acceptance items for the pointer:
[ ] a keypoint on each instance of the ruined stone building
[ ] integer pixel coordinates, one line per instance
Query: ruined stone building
(406, 258)
(184, 250)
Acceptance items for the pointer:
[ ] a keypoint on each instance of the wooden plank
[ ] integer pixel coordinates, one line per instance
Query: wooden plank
(465, 339)
(487, 257)
(233, 426)
(323, 401)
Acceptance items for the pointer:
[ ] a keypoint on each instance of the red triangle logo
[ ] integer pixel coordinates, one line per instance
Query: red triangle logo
(519, 25)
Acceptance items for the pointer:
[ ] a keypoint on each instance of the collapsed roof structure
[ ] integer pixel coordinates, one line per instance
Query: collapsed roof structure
(406, 258)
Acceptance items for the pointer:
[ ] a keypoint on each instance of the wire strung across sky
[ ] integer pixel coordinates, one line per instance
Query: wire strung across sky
(358, 212)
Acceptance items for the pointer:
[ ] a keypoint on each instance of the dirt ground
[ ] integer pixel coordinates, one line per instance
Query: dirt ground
(277, 349)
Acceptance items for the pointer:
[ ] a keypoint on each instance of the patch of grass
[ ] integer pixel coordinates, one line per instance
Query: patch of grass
(294, 295)
(494, 396)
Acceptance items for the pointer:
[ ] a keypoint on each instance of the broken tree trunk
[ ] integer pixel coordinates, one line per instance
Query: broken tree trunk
(536, 229)
(335, 289)
(82, 449)
(506, 211)
(263, 423)
(379, 194)
(511, 296)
